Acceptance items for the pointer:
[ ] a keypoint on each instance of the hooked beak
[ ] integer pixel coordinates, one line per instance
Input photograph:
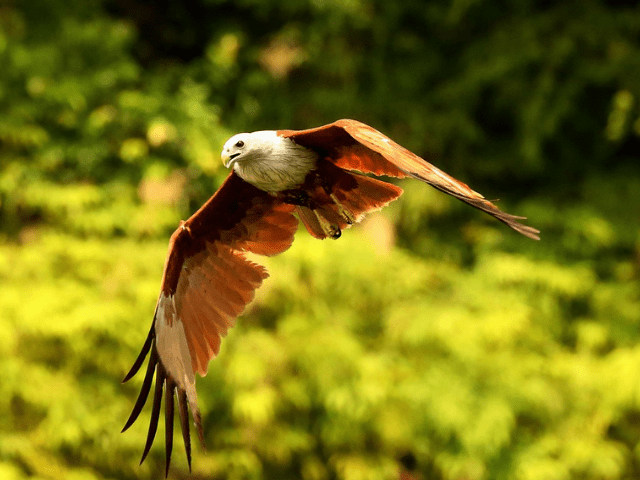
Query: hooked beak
(228, 160)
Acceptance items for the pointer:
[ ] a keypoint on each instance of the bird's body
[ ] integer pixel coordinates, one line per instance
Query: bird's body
(316, 174)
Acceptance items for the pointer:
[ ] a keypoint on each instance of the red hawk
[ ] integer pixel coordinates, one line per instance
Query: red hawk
(316, 175)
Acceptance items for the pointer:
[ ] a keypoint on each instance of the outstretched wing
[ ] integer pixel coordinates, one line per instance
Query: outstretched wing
(353, 145)
(207, 283)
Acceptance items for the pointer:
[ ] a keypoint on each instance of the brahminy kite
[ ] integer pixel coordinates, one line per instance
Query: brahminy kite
(317, 175)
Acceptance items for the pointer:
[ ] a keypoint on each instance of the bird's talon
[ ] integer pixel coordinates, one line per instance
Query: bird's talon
(330, 229)
(344, 212)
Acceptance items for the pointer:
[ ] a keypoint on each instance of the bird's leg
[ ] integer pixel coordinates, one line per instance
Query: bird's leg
(342, 210)
(327, 186)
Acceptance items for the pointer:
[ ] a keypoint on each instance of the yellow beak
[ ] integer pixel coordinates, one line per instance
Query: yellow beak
(224, 156)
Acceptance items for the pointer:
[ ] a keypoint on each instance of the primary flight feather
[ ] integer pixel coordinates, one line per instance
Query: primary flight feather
(315, 175)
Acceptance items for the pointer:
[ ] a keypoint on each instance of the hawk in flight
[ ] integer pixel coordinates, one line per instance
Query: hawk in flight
(277, 177)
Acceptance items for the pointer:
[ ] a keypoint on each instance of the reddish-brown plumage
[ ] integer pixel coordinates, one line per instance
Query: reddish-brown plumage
(353, 145)
(207, 280)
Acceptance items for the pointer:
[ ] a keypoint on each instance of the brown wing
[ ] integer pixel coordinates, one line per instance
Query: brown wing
(353, 145)
(207, 283)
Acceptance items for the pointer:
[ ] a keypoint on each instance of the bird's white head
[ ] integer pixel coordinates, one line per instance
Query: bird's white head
(246, 147)
(267, 160)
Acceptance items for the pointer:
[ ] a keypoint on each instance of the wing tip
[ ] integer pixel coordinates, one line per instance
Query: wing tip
(165, 386)
(527, 231)
(144, 391)
(168, 423)
(141, 356)
(512, 221)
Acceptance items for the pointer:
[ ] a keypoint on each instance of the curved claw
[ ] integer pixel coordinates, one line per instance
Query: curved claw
(330, 229)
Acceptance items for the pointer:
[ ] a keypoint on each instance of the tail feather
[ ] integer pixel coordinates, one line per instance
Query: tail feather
(370, 195)
(355, 192)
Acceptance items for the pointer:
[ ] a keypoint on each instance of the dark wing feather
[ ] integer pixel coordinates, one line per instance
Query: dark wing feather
(183, 411)
(207, 283)
(353, 145)
(168, 423)
(155, 410)
(146, 383)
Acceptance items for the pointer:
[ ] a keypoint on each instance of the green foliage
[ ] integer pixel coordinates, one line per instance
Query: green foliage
(429, 329)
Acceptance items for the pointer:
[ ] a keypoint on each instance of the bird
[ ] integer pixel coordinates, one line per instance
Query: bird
(323, 176)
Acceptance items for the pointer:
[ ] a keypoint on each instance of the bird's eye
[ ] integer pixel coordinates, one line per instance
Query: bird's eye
(239, 144)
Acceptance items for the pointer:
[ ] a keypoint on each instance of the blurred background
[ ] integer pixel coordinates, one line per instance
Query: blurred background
(430, 338)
